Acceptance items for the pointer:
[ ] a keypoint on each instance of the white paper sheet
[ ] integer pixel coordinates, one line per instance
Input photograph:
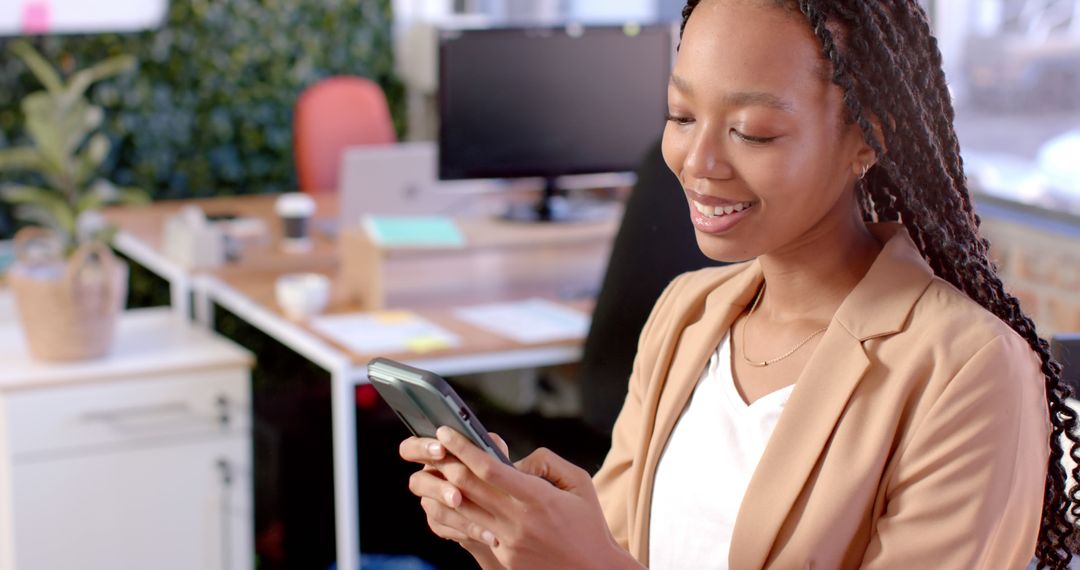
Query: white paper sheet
(529, 321)
(385, 332)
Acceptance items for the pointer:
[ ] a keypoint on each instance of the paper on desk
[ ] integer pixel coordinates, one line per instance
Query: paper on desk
(529, 321)
(385, 332)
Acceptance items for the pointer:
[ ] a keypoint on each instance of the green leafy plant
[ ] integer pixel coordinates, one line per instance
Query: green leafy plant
(209, 112)
(67, 152)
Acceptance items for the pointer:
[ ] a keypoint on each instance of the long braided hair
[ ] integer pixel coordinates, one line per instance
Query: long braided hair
(887, 62)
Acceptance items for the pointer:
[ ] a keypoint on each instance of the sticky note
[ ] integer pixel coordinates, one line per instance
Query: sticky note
(414, 231)
(427, 343)
(35, 17)
(394, 317)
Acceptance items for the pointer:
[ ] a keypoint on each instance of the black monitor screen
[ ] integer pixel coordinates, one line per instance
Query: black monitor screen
(548, 102)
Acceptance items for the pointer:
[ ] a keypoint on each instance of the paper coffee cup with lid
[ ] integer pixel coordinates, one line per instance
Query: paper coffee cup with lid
(295, 210)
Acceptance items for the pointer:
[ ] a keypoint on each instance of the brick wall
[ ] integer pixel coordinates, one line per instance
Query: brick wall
(1039, 259)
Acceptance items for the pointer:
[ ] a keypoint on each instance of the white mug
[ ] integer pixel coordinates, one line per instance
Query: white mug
(301, 295)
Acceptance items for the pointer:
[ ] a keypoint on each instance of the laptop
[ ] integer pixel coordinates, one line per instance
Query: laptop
(394, 180)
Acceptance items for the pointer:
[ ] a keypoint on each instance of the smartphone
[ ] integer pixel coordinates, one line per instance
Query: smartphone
(426, 402)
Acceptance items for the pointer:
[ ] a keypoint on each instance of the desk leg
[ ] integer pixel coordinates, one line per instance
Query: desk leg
(346, 492)
(204, 307)
(180, 297)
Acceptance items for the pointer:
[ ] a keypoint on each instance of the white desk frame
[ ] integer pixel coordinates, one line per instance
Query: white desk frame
(344, 374)
(178, 277)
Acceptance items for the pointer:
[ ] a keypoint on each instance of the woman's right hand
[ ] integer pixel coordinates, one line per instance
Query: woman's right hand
(443, 503)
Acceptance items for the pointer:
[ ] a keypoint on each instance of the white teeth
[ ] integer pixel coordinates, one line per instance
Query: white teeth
(712, 211)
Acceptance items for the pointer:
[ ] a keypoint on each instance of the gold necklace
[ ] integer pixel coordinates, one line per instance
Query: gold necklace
(746, 325)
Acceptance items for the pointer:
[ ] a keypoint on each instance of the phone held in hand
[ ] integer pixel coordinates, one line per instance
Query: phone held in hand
(425, 402)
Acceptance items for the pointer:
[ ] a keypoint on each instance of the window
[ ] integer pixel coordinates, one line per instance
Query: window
(585, 11)
(1014, 70)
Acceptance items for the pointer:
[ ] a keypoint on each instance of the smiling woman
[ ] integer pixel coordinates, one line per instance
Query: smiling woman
(860, 391)
(753, 123)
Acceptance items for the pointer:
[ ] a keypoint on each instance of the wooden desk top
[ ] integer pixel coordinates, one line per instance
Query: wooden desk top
(146, 223)
(503, 261)
(439, 309)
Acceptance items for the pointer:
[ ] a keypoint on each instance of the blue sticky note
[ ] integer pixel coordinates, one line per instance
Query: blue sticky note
(414, 231)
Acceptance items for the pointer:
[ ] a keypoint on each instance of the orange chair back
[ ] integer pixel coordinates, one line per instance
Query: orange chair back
(331, 115)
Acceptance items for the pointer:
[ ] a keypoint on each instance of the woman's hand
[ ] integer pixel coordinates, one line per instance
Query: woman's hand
(441, 500)
(544, 514)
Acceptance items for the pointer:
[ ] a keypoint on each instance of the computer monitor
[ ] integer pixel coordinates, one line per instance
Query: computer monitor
(549, 102)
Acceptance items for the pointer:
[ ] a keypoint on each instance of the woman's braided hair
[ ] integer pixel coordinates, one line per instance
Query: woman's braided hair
(887, 62)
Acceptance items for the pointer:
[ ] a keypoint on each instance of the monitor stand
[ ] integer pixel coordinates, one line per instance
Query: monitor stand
(552, 206)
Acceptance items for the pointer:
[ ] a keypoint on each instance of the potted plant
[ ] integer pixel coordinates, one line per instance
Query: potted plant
(67, 284)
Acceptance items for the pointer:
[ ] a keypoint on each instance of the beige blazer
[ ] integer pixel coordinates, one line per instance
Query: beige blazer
(916, 437)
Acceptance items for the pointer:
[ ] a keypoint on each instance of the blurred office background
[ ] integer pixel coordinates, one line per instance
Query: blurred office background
(208, 112)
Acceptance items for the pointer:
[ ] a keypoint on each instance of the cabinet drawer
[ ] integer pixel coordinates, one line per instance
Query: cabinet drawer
(162, 507)
(80, 418)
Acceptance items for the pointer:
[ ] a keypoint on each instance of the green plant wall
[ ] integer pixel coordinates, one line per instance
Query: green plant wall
(208, 111)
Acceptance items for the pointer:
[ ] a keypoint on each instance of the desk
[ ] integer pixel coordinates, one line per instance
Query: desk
(141, 229)
(504, 261)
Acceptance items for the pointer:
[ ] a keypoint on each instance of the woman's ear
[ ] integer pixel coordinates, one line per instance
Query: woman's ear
(865, 156)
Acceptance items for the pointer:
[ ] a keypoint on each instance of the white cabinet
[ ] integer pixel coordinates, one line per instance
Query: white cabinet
(138, 460)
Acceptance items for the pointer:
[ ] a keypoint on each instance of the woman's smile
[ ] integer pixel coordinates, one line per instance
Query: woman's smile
(719, 219)
(713, 214)
(721, 210)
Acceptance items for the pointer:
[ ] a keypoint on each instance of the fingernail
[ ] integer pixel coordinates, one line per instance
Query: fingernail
(451, 499)
(489, 538)
(435, 449)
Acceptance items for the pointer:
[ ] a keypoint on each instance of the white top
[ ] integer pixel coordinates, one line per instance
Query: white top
(7, 306)
(706, 467)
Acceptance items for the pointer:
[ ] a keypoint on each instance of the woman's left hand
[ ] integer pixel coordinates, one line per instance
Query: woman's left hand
(544, 514)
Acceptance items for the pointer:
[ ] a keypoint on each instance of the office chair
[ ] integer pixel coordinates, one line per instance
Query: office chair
(655, 243)
(331, 115)
(1065, 348)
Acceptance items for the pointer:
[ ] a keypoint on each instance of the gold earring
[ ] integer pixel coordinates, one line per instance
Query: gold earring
(865, 169)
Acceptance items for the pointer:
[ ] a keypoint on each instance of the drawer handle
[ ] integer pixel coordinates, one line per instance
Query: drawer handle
(223, 409)
(140, 415)
(136, 412)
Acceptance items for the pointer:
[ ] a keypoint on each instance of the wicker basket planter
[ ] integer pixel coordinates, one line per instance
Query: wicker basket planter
(68, 308)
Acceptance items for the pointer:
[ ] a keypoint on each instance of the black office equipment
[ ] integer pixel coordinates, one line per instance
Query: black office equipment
(1065, 349)
(655, 243)
(549, 102)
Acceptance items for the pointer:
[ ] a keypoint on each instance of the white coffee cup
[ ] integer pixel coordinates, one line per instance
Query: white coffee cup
(301, 295)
